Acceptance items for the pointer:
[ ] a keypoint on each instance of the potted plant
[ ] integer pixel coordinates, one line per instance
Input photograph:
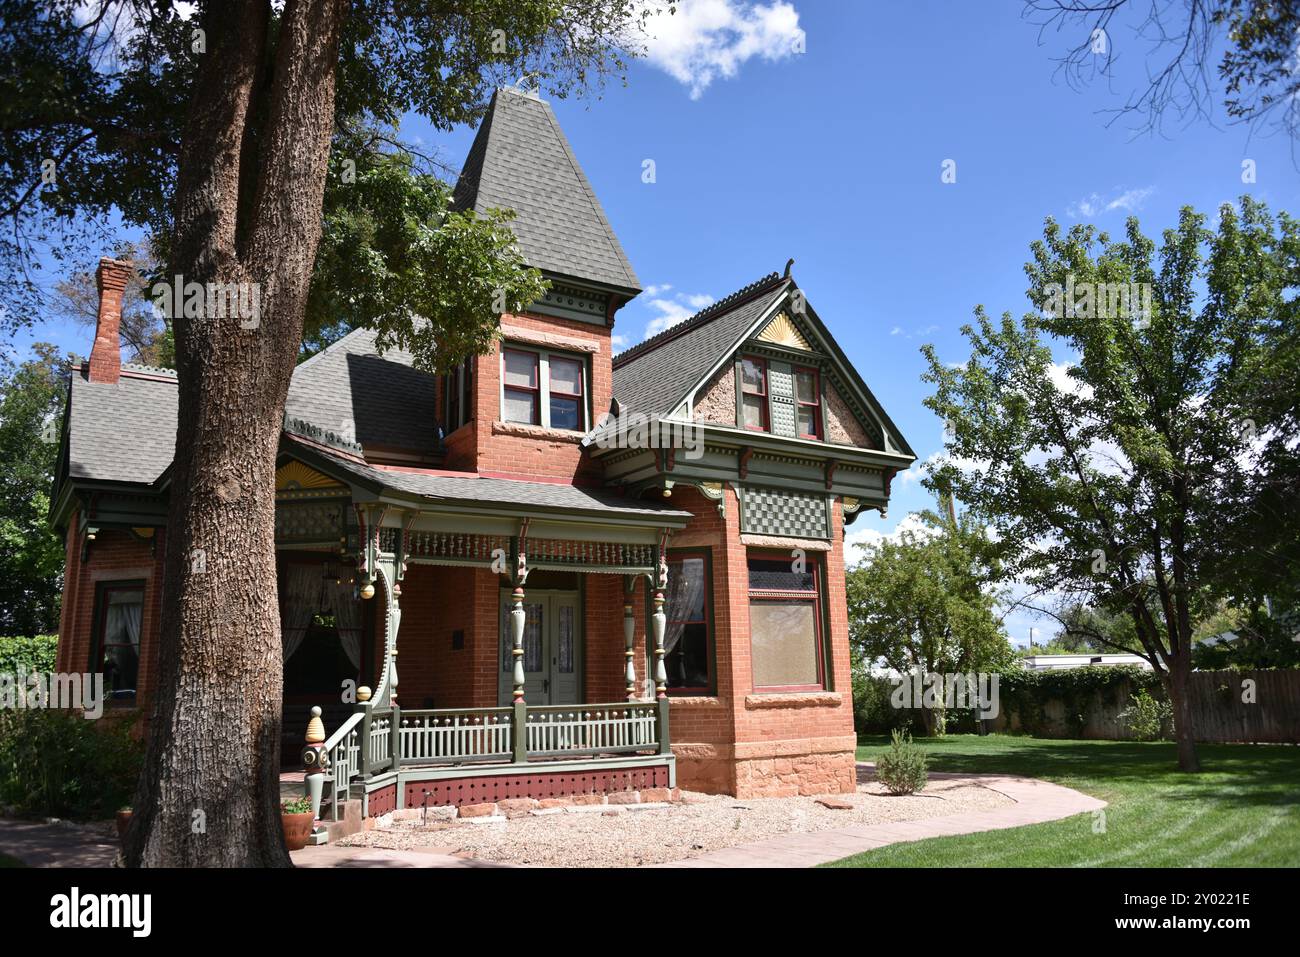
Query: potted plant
(123, 822)
(297, 819)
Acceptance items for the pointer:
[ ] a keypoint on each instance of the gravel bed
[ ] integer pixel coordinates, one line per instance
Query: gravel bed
(701, 824)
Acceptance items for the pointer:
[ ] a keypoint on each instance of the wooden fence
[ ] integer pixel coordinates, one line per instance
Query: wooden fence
(1227, 706)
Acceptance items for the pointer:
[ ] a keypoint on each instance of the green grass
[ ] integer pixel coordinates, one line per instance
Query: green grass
(1242, 810)
(6, 861)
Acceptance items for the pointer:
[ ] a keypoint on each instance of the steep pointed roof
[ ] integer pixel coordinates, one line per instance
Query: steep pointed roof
(521, 160)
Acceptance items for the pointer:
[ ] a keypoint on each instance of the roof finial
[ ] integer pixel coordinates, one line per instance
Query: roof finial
(788, 264)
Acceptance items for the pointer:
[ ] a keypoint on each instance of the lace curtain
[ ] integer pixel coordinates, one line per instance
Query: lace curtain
(306, 593)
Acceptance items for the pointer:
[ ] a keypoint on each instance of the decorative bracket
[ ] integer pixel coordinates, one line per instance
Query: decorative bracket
(713, 491)
(831, 466)
(369, 520)
(400, 550)
(745, 455)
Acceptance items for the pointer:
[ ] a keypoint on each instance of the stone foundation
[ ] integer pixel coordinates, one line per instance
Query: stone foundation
(803, 766)
(754, 769)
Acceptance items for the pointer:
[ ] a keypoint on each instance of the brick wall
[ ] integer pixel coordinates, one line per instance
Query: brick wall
(114, 556)
(488, 445)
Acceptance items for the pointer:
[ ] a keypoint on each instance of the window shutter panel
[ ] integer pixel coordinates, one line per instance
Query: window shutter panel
(780, 386)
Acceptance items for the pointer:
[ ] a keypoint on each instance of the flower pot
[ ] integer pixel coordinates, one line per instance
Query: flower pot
(297, 828)
(123, 822)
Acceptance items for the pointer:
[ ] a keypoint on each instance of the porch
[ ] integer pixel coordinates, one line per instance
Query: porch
(514, 601)
(387, 758)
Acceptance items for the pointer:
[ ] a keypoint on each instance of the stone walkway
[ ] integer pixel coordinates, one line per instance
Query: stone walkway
(1036, 802)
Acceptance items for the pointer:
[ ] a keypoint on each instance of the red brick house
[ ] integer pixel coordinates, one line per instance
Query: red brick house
(596, 571)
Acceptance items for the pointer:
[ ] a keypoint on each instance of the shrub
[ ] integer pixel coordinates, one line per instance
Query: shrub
(901, 769)
(872, 711)
(31, 654)
(1146, 717)
(57, 763)
(296, 806)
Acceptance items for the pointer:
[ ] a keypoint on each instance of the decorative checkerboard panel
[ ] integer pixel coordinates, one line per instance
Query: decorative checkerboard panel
(781, 388)
(770, 511)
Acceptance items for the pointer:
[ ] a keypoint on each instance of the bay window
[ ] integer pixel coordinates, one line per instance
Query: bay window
(688, 646)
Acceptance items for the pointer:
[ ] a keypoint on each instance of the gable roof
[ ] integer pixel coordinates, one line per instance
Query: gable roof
(655, 376)
(521, 160)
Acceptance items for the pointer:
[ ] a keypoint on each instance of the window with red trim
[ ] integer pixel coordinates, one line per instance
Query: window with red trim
(785, 622)
(688, 648)
(522, 387)
(808, 403)
(753, 393)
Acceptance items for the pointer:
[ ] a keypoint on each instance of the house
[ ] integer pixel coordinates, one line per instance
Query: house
(1061, 662)
(596, 571)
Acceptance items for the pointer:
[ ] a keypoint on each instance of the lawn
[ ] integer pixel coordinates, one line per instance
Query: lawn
(1242, 810)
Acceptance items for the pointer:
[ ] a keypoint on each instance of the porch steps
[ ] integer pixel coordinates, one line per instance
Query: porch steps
(350, 822)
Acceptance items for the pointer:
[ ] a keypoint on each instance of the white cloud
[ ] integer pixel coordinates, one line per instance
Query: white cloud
(1129, 200)
(618, 343)
(674, 310)
(653, 290)
(710, 39)
(859, 533)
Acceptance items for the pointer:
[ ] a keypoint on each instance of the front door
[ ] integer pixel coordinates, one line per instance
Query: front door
(552, 648)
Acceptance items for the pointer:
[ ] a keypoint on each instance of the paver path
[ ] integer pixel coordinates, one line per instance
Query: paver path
(1036, 802)
(53, 845)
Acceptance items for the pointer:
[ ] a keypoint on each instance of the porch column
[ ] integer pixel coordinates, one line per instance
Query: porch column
(629, 635)
(659, 623)
(517, 615)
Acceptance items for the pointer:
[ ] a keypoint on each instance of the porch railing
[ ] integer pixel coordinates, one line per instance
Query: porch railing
(374, 741)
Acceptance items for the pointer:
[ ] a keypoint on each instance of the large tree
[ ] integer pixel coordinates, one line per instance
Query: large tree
(218, 134)
(1249, 45)
(1111, 436)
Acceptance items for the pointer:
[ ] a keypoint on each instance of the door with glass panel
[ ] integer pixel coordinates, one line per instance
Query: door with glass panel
(552, 648)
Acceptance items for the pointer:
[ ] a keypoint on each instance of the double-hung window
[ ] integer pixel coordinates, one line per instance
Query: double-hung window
(785, 623)
(808, 403)
(753, 393)
(458, 395)
(539, 387)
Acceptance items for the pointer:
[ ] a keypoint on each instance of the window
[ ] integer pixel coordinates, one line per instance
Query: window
(459, 404)
(753, 394)
(117, 644)
(687, 643)
(808, 402)
(522, 387)
(785, 624)
(544, 388)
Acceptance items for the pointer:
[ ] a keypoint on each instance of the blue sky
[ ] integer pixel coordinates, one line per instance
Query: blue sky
(833, 156)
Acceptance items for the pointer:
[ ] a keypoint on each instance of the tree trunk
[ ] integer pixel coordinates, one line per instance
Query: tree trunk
(1180, 674)
(209, 793)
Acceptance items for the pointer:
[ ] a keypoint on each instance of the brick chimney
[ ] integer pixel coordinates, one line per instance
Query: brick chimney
(106, 356)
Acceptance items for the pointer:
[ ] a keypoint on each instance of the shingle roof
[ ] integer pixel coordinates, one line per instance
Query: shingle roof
(440, 486)
(384, 398)
(652, 377)
(521, 160)
(123, 431)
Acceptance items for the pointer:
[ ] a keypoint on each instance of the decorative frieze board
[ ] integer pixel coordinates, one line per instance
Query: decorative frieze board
(572, 302)
(322, 436)
(785, 513)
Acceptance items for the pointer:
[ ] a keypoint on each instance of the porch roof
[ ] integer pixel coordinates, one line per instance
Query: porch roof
(446, 488)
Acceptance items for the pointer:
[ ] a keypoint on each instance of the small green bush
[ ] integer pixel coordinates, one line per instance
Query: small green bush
(1146, 717)
(56, 763)
(296, 806)
(30, 654)
(902, 769)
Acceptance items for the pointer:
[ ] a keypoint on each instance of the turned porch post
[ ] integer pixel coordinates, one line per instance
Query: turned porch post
(629, 635)
(517, 615)
(659, 620)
